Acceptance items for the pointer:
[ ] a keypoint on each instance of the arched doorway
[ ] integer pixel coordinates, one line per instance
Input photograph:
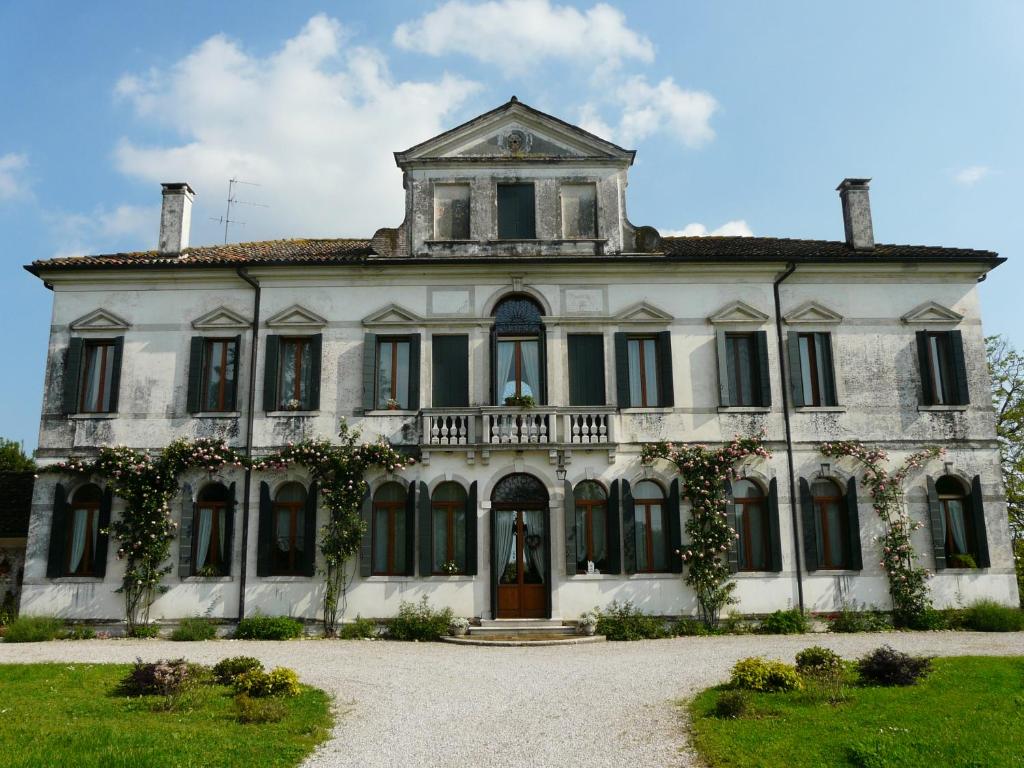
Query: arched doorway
(520, 549)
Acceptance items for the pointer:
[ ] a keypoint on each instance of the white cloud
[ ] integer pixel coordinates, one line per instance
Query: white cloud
(735, 228)
(11, 183)
(971, 175)
(126, 227)
(514, 33)
(314, 123)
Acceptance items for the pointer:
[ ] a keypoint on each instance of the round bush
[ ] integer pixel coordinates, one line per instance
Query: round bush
(887, 666)
(269, 628)
(258, 684)
(226, 670)
(792, 622)
(817, 660)
(757, 674)
(731, 705)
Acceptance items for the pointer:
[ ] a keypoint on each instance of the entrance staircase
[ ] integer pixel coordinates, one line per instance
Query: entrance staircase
(515, 632)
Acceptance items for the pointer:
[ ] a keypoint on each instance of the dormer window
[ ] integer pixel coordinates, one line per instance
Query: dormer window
(579, 211)
(516, 218)
(451, 212)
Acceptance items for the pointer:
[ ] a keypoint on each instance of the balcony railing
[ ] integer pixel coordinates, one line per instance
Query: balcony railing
(510, 426)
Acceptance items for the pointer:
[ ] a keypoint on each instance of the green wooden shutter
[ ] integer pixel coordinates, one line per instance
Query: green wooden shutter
(516, 212)
(494, 367)
(622, 369)
(316, 352)
(724, 381)
(414, 372)
(369, 372)
(197, 346)
(937, 524)
(188, 511)
(828, 366)
(586, 368)
(810, 526)
(628, 529)
(427, 532)
(774, 529)
(115, 376)
(959, 365)
(270, 370)
(472, 521)
(366, 542)
(309, 534)
(450, 371)
(796, 379)
(265, 534)
(733, 519)
(229, 530)
(927, 395)
(675, 532)
(103, 540)
(614, 537)
(666, 385)
(764, 376)
(569, 509)
(410, 531)
(542, 348)
(72, 375)
(855, 558)
(58, 533)
(233, 395)
(978, 519)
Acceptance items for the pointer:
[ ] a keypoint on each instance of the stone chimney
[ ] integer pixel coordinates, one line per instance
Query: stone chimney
(175, 217)
(857, 214)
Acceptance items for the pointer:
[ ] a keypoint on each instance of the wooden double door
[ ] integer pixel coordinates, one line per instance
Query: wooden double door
(520, 549)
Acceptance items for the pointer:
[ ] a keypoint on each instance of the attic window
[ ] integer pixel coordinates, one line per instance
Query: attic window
(516, 219)
(451, 212)
(579, 211)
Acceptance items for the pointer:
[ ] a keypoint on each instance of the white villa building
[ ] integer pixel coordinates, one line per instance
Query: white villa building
(517, 277)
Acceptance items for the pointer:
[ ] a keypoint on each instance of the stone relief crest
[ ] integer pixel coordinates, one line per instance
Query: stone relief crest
(515, 142)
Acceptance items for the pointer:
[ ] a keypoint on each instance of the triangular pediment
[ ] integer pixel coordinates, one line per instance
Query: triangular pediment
(514, 131)
(642, 312)
(100, 320)
(220, 318)
(392, 314)
(738, 312)
(296, 316)
(932, 312)
(812, 312)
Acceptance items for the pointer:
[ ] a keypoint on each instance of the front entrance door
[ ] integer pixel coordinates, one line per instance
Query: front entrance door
(520, 549)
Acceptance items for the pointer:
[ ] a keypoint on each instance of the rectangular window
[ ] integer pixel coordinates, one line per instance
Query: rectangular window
(516, 212)
(97, 383)
(816, 369)
(940, 370)
(295, 382)
(743, 369)
(591, 535)
(586, 369)
(651, 537)
(393, 374)
(219, 372)
(451, 212)
(450, 371)
(643, 372)
(389, 520)
(289, 538)
(449, 538)
(209, 537)
(518, 371)
(579, 211)
(753, 536)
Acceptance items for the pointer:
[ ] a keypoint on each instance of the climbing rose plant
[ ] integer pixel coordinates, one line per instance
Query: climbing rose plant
(147, 483)
(339, 469)
(703, 472)
(908, 581)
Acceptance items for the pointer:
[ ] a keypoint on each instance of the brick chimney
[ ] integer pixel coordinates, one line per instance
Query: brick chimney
(175, 217)
(857, 214)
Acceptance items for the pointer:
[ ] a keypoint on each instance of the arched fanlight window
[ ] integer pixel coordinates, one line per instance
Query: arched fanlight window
(289, 530)
(83, 531)
(210, 532)
(389, 530)
(958, 527)
(517, 351)
(591, 526)
(448, 529)
(833, 526)
(752, 526)
(651, 527)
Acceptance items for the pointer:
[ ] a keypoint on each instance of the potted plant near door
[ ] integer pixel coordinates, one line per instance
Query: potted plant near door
(458, 627)
(587, 623)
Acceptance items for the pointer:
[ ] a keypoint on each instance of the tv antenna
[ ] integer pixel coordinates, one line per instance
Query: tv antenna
(226, 219)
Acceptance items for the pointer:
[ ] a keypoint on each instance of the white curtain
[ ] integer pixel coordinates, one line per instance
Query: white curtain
(222, 517)
(531, 368)
(205, 524)
(957, 525)
(504, 375)
(635, 392)
(534, 520)
(504, 532)
(640, 539)
(78, 534)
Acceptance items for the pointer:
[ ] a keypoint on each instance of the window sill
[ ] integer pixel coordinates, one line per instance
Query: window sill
(940, 408)
(744, 409)
(651, 409)
(390, 412)
(385, 579)
(602, 576)
(91, 416)
(217, 414)
(962, 571)
(284, 579)
(286, 414)
(836, 572)
(819, 408)
(756, 574)
(77, 580)
(207, 580)
(652, 576)
(442, 576)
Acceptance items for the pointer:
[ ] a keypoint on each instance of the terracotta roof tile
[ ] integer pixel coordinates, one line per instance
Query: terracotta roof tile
(731, 248)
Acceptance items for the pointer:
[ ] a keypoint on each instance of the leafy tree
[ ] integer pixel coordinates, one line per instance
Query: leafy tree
(13, 458)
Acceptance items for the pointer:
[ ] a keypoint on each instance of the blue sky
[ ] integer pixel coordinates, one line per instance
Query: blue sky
(745, 115)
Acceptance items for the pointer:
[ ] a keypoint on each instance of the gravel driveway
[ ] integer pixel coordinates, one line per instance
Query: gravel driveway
(420, 704)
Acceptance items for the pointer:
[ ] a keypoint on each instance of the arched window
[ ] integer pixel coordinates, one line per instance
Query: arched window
(389, 531)
(83, 531)
(833, 527)
(289, 530)
(591, 526)
(448, 529)
(652, 539)
(752, 526)
(210, 532)
(517, 351)
(959, 530)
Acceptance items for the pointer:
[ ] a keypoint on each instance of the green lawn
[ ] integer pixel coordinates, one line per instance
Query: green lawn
(969, 713)
(66, 715)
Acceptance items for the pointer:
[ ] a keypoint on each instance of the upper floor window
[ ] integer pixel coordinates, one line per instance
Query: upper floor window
(651, 528)
(83, 532)
(516, 212)
(518, 351)
(743, 369)
(97, 386)
(213, 374)
(451, 211)
(289, 551)
(579, 211)
(811, 376)
(752, 526)
(643, 372)
(591, 527)
(450, 371)
(210, 532)
(586, 368)
(292, 379)
(392, 373)
(943, 370)
(644, 369)
(448, 529)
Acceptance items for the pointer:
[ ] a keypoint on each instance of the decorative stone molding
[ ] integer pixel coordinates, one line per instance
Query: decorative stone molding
(100, 320)
(393, 314)
(296, 317)
(738, 312)
(931, 312)
(221, 318)
(642, 312)
(811, 312)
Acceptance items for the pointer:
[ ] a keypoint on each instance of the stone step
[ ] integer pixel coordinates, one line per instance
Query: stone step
(520, 623)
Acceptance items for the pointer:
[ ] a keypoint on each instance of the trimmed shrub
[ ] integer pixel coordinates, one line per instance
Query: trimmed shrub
(757, 674)
(78, 632)
(33, 629)
(161, 678)
(144, 631)
(255, 711)
(818, 661)
(731, 705)
(226, 670)
(360, 629)
(194, 628)
(621, 621)
(269, 628)
(929, 619)
(792, 622)
(418, 621)
(685, 627)
(990, 616)
(887, 666)
(258, 684)
(849, 619)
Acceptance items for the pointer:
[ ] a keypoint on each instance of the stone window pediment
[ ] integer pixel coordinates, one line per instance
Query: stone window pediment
(221, 318)
(296, 317)
(100, 320)
(642, 312)
(812, 312)
(393, 315)
(738, 312)
(931, 312)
